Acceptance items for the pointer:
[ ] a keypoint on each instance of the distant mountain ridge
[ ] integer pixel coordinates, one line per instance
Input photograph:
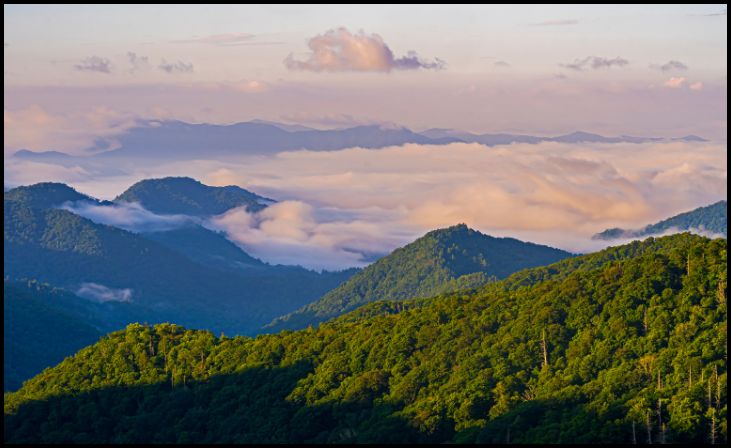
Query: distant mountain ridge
(180, 140)
(441, 261)
(711, 218)
(184, 195)
(192, 274)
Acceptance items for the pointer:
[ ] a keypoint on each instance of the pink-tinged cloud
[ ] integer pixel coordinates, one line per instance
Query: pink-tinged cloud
(37, 129)
(297, 233)
(339, 50)
(696, 86)
(675, 82)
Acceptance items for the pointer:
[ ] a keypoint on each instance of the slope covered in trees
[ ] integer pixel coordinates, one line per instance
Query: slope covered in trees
(163, 280)
(42, 325)
(442, 260)
(628, 344)
(186, 196)
(711, 218)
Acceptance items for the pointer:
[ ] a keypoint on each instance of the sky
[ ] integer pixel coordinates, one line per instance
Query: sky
(657, 69)
(76, 73)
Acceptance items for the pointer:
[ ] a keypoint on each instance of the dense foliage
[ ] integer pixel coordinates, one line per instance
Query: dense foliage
(625, 344)
(169, 281)
(443, 260)
(206, 247)
(712, 218)
(183, 195)
(45, 195)
(42, 326)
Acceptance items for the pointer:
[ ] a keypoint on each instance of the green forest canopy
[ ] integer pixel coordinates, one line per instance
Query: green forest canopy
(625, 344)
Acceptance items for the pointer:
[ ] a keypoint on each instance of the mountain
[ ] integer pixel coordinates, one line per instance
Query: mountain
(186, 196)
(442, 260)
(46, 195)
(627, 344)
(711, 218)
(574, 137)
(206, 247)
(172, 280)
(42, 326)
(177, 140)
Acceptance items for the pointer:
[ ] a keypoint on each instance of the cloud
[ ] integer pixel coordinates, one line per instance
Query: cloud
(340, 208)
(102, 294)
(555, 22)
(696, 86)
(595, 63)
(671, 65)
(330, 120)
(675, 82)
(241, 86)
(339, 50)
(550, 193)
(95, 64)
(35, 128)
(297, 233)
(176, 67)
(501, 64)
(137, 62)
(129, 216)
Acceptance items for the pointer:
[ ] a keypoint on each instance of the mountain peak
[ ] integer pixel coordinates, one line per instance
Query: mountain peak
(46, 195)
(443, 260)
(188, 196)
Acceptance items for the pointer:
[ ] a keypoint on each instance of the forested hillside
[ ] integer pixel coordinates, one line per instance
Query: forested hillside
(41, 326)
(443, 260)
(628, 344)
(191, 276)
(711, 218)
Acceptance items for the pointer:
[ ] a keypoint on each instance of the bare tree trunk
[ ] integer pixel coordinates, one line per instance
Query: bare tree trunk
(690, 377)
(634, 434)
(649, 428)
(659, 421)
(718, 388)
(545, 348)
(721, 292)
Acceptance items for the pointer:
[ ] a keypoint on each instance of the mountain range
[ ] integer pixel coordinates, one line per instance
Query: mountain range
(187, 274)
(179, 140)
(444, 260)
(195, 276)
(620, 346)
(711, 218)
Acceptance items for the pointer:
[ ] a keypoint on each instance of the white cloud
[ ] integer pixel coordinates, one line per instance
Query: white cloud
(339, 207)
(128, 216)
(340, 50)
(102, 294)
(296, 233)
